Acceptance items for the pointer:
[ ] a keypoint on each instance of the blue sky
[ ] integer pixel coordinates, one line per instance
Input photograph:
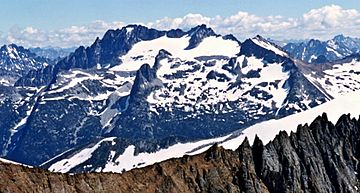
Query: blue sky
(52, 14)
(55, 16)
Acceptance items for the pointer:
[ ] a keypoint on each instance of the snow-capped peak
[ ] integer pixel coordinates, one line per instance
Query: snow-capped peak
(185, 47)
(262, 42)
(203, 29)
(16, 60)
(129, 29)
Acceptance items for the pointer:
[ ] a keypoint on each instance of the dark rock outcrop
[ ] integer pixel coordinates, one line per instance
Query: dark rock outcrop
(250, 48)
(197, 34)
(320, 157)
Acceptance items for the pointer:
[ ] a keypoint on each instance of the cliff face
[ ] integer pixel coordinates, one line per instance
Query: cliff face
(321, 157)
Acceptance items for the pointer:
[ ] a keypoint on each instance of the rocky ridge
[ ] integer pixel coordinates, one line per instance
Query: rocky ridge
(320, 157)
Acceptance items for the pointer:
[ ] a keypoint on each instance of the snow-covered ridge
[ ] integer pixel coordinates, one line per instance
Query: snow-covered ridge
(267, 45)
(82, 156)
(346, 104)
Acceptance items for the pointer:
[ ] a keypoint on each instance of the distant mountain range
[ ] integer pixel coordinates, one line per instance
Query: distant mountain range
(16, 61)
(52, 53)
(149, 89)
(316, 51)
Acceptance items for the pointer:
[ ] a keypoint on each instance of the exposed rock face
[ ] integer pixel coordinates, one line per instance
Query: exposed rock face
(321, 157)
(198, 34)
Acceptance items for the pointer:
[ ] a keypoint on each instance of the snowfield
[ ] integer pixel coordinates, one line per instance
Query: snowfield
(145, 51)
(341, 79)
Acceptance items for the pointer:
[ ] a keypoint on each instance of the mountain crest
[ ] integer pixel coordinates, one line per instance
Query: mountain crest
(261, 48)
(339, 37)
(197, 34)
(160, 56)
(201, 29)
(145, 82)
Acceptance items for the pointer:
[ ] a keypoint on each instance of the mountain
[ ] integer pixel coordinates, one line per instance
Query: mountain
(97, 156)
(151, 89)
(16, 61)
(86, 89)
(52, 53)
(104, 156)
(91, 94)
(316, 51)
(320, 157)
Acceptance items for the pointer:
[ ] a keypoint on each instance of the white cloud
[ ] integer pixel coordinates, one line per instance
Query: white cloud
(31, 30)
(322, 23)
(66, 37)
(186, 22)
(329, 16)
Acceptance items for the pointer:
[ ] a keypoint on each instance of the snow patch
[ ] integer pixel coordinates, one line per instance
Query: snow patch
(67, 164)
